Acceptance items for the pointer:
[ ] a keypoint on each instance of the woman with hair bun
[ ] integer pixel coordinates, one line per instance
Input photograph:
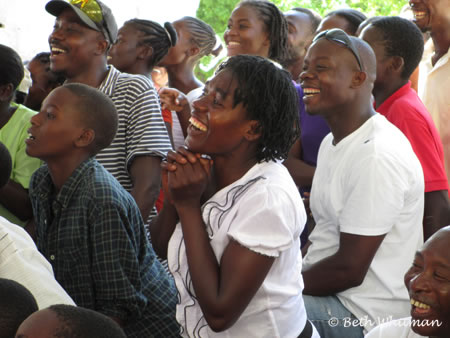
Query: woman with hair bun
(140, 46)
(196, 39)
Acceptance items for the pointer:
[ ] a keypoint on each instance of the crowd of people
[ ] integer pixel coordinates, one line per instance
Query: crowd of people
(302, 191)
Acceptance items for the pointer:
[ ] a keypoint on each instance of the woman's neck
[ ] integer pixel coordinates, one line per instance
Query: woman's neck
(182, 78)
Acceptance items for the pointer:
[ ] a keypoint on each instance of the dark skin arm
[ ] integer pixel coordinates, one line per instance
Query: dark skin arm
(173, 99)
(436, 212)
(146, 177)
(223, 289)
(15, 198)
(162, 227)
(345, 269)
(301, 172)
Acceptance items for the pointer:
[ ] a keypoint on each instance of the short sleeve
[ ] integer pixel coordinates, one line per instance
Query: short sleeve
(146, 132)
(427, 146)
(268, 222)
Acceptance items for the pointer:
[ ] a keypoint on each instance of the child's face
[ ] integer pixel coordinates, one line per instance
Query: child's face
(56, 129)
(41, 324)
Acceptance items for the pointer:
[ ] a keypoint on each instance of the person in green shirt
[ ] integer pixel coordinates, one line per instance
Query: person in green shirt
(14, 123)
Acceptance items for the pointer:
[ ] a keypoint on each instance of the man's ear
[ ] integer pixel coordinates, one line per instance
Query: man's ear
(102, 47)
(86, 138)
(253, 130)
(397, 63)
(358, 79)
(6, 92)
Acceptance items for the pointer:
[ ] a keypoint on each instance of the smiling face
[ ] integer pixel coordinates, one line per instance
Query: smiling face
(216, 126)
(328, 70)
(124, 53)
(56, 128)
(246, 33)
(431, 14)
(73, 45)
(299, 34)
(428, 283)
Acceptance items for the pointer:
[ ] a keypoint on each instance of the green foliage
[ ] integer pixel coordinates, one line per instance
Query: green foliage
(217, 12)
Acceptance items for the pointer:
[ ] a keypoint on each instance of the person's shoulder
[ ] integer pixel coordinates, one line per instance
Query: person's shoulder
(387, 135)
(23, 113)
(40, 173)
(12, 237)
(272, 180)
(134, 82)
(104, 187)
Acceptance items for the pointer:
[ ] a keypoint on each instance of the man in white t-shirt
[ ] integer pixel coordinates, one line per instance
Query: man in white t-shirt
(366, 197)
(428, 283)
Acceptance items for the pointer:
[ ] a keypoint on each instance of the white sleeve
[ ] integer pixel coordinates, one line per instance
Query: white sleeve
(268, 222)
(23, 263)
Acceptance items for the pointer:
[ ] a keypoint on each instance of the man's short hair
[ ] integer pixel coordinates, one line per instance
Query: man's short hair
(16, 304)
(97, 112)
(401, 38)
(5, 165)
(81, 322)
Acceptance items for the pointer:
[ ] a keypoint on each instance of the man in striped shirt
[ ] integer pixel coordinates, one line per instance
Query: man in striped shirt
(82, 35)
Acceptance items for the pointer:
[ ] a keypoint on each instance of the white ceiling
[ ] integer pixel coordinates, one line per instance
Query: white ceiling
(27, 24)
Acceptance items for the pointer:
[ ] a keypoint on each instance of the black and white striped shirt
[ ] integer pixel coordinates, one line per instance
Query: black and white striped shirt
(141, 129)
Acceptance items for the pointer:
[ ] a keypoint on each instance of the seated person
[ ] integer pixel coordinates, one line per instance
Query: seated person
(69, 322)
(88, 226)
(366, 198)
(16, 304)
(14, 123)
(43, 80)
(19, 258)
(397, 58)
(428, 283)
(235, 251)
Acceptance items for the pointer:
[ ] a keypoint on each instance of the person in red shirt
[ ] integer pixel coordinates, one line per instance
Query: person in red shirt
(398, 46)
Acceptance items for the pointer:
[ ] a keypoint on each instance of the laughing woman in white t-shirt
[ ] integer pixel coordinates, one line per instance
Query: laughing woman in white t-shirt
(233, 217)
